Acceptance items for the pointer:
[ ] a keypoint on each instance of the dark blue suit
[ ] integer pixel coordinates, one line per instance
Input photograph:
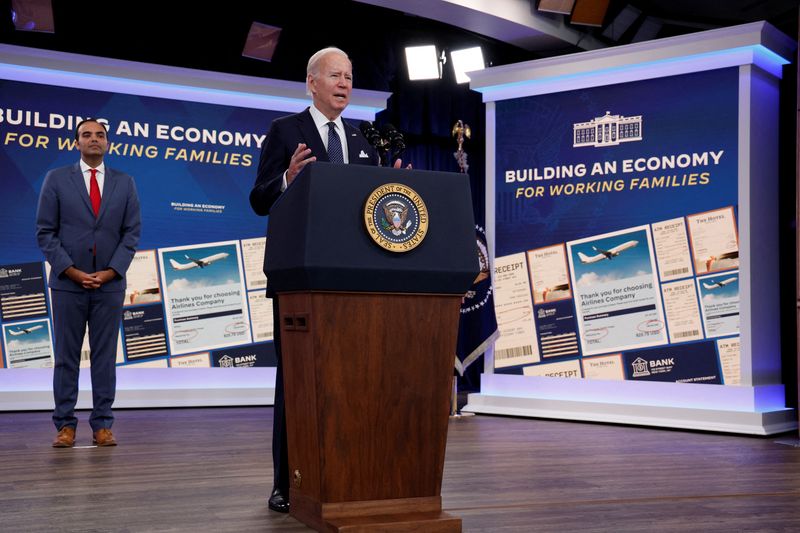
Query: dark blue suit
(69, 235)
(281, 142)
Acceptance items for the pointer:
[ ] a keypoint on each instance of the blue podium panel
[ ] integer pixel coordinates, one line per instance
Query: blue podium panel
(324, 243)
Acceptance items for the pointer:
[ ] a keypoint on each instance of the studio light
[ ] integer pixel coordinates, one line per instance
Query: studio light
(624, 20)
(261, 41)
(32, 15)
(423, 63)
(467, 60)
(589, 12)
(563, 7)
(648, 30)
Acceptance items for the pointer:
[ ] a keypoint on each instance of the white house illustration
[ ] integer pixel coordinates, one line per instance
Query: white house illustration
(608, 130)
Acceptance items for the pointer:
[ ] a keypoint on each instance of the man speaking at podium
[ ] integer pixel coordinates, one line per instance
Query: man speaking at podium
(316, 134)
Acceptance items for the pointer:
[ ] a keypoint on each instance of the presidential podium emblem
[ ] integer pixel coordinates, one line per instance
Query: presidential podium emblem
(396, 217)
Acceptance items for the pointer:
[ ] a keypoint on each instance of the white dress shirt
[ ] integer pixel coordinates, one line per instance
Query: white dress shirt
(321, 123)
(87, 177)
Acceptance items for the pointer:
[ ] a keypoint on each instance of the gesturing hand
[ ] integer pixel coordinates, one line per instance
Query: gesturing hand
(300, 158)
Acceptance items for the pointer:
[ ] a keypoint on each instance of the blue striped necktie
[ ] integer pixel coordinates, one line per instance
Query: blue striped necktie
(335, 153)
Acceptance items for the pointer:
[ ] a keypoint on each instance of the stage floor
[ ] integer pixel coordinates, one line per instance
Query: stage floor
(209, 469)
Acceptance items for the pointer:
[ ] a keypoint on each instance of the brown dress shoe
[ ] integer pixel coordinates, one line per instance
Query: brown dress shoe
(65, 438)
(103, 437)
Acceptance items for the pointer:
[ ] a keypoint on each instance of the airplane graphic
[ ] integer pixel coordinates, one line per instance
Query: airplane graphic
(201, 263)
(24, 331)
(718, 284)
(606, 254)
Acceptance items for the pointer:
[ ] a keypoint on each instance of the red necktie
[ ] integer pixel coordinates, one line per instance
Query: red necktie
(94, 192)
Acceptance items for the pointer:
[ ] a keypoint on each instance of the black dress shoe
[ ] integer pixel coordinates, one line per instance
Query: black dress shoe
(279, 501)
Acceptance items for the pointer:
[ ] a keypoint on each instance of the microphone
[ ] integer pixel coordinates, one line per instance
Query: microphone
(395, 138)
(370, 133)
(388, 130)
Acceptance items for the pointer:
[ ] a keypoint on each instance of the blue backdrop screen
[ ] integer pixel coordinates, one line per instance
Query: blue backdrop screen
(194, 165)
(620, 200)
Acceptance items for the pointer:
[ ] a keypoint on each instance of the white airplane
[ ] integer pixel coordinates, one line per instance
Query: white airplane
(202, 263)
(718, 284)
(606, 254)
(24, 331)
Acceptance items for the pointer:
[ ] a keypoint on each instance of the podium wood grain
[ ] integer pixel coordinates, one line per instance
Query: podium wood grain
(367, 394)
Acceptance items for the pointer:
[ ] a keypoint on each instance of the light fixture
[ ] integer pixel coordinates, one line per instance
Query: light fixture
(624, 20)
(563, 7)
(33, 15)
(467, 60)
(648, 30)
(261, 41)
(423, 63)
(589, 12)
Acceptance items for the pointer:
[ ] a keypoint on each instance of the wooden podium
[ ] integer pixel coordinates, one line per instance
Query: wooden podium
(368, 339)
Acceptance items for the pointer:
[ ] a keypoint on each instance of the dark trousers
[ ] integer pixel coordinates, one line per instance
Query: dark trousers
(280, 448)
(72, 312)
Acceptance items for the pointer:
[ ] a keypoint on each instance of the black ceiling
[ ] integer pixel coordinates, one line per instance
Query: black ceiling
(212, 38)
(685, 16)
(181, 33)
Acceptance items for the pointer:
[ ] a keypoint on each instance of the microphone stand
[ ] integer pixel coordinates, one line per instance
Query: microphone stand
(382, 147)
(394, 140)
(388, 142)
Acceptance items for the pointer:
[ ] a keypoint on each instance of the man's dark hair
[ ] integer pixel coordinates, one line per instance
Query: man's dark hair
(84, 121)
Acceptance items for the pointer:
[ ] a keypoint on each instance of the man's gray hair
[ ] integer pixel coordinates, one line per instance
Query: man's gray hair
(313, 63)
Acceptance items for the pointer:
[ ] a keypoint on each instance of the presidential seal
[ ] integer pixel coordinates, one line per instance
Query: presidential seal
(396, 218)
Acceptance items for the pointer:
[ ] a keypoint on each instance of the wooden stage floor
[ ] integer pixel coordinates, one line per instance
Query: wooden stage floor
(209, 470)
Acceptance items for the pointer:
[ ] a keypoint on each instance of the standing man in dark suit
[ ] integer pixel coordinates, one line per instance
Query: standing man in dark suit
(316, 134)
(88, 225)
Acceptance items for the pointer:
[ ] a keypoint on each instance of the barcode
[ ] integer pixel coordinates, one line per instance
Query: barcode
(675, 271)
(264, 335)
(508, 353)
(690, 333)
